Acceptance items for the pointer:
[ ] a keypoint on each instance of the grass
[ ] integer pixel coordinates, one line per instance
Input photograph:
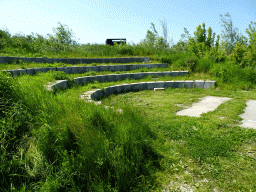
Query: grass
(58, 142)
(209, 148)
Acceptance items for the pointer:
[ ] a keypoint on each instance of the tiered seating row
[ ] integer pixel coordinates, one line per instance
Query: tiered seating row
(98, 93)
(7, 59)
(84, 69)
(114, 77)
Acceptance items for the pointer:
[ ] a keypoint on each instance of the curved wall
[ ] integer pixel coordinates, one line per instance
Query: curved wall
(113, 77)
(124, 88)
(6, 59)
(84, 69)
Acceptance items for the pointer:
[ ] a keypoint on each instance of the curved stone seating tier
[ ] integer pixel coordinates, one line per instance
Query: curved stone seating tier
(114, 77)
(6, 59)
(92, 96)
(84, 69)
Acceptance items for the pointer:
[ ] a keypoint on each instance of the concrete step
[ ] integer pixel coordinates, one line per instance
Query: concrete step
(119, 77)
(6, 59)
(97, 94)
(84, 69)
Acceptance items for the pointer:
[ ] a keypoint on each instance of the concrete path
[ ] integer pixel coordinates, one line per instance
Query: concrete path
(249, 116)
(210, 103)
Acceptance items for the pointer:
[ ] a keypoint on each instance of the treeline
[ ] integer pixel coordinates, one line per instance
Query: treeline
(231, 44)
(37, 45)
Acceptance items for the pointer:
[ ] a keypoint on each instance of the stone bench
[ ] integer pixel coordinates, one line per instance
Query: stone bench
(114, 77)
(124, 88)
(84, 69)
(7, 59)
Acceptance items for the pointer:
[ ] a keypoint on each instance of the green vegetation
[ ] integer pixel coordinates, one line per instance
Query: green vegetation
(57, 142)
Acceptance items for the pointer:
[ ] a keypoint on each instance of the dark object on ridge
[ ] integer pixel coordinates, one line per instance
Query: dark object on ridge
(111, 41)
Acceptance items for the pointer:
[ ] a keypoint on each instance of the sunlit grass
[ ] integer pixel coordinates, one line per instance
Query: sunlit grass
(58, 142)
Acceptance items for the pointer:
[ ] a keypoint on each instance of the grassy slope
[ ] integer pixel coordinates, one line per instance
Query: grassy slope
(62, 145)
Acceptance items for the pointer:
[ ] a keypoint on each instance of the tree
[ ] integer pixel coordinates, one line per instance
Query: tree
(230, 36)
(185, 35)
(250, 32)
(210, 38)
(62, 35)
(165, 34)
(181, 45)
(200, 43)
(154, 40)
(5, 38)
(151, 36)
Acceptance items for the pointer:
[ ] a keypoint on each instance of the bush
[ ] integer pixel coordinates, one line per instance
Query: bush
(251, 76)
(191, 63)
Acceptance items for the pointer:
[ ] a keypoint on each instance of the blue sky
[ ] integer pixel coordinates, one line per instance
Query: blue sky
(93, 21)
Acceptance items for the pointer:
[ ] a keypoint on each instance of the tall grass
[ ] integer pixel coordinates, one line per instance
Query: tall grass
(54, 142)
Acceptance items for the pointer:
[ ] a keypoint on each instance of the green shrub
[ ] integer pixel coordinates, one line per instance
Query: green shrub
(190, 62)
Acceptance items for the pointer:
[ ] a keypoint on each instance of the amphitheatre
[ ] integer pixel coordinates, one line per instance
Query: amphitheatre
(94, 95)
(195, 121)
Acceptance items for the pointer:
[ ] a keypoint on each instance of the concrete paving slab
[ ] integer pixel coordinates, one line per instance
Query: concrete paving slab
(97, 78)
(103, 68)
(127, 75)
(37, 70)
(52, 68)
(22, 71)
(75, 70)
(119, 77)
(135, 87)
(175, 73)
(61, 84)
(27, 59)
(158, 74)
(149, 73)
(113, 89)
(208, 103)
(209, 84)
(118, 67)
(156, 89)
(160, 84)
(30, 71)
(168, 73)
(127, 87)
(15, 72)
(143, 85)
(183, 73)
(104, 78)
(179, 84)
(68, 70)
(97, 94)
(45, 69)
(249, 116)
(128, 67)
(146, 59)
(151, 85)
(199, 83)
(140, 75)
(162, 65)
(58, 69)
(95, 68)
(189, 84)
(111, 77)
(3, 59)
(118, 88)
(108, 91)
(169, 84)
(77, 80)
(82, 69)
(112, 68)
(85, 79)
